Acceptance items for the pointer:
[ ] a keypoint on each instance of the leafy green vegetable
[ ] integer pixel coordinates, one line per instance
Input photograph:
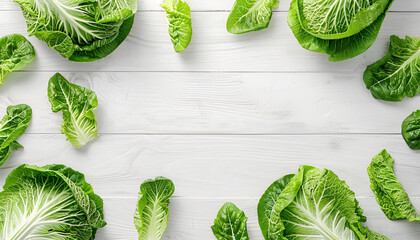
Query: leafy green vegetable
(151, 216)
(389, 193)
(340, 40)
(230, 223)
(77, 104)
(82, 31)
(410, 130)
(51, 202)
(250, 15)
(12, 126)
(268, 200)
(312, 204)
(178, 15)
(396, 75)
(15, 53)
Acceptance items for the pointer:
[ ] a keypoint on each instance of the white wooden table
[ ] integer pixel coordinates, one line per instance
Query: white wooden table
(223, 120)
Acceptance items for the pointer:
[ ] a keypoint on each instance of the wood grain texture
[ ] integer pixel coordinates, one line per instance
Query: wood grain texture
(217, 103)
(223, 5)
(216, 166)
(191, 218)
(148, 47)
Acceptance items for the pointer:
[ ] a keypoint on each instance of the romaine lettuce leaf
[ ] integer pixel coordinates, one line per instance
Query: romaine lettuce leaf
(396, 75)
(250, 15)
(51, 202)
(15, 53)
(77, 104)
(12, 126)
(152, 213)
(390, 194)
(178, 16)
(230, 223)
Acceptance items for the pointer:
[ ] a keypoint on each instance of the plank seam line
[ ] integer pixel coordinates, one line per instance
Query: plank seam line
(234, 134)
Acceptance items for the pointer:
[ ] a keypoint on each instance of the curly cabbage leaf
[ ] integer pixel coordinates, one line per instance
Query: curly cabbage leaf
(51, 202)
(230, 223)
(250, 15)
(15, 53)
(82, 30)
(178, 16)
(397, 74)
(313, 203)
(77, 104)
(152, 213)
(12, 126)
(410, 130)
(338, 49)
(389, 193)
(337, 19)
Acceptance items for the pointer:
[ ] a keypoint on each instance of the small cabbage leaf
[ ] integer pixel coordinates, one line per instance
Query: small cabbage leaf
(77, 104)
(390, 194)
(337, 49)
(51, 202)
(250, 15)
(152, 213)
(230, 223)
(312, 204)
(396, 75)
(337, 19)
(410, 130)
(15, 53)
(178, 16)
(12, 126)
(83, 30)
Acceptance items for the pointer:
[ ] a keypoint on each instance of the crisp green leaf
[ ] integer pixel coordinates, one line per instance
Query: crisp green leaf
(12, 126)
(313, 204)
(250, 15)
(268, 200)
(15, 53)
(230, 223)
(410, 130)
(152, 213)
(77, 104)
(51, 202)
(80, 30)
(337, 49)
(389, 193)
(338, 19)
(397, 75)
(178, 16)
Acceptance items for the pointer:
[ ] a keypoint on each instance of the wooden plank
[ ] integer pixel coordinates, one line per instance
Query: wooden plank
(148, 48)
(215, 166)
(191, 218)
(217, 103)
(223, 5)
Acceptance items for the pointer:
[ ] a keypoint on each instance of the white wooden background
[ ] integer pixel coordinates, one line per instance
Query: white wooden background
(223, 119)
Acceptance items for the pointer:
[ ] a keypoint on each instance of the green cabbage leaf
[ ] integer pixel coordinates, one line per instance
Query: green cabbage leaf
(152, 213)
(390, 194)
(15, 53)
(77, 104)
(178, 16)
(230, 223)
(80, 30)
(313, 204)
(250, 15)
(51, 202)
(397, 74)
(12, 126)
